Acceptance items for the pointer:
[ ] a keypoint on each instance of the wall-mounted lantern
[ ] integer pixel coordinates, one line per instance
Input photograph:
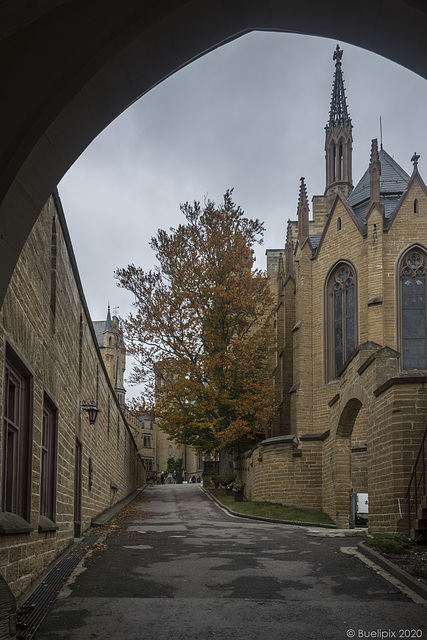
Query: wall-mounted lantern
(90, 409)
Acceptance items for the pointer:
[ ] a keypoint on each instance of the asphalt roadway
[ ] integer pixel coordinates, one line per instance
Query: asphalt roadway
(174, 566)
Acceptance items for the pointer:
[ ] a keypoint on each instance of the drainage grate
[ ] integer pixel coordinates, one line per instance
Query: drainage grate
(34, 610)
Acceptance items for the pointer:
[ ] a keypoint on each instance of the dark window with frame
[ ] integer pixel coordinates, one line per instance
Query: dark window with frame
(48, 460)
(17, 439)
(147, 441)
(341, 318)
(413, 316)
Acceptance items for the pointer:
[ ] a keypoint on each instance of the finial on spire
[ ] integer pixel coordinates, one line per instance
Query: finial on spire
(374, 150)
(415, 159)
(302, 193)
(338, 55)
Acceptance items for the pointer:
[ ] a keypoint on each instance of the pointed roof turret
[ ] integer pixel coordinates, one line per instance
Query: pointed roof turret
(375, 173)
(338, 113)
(108, 323)
(289, 252)
(303, 209)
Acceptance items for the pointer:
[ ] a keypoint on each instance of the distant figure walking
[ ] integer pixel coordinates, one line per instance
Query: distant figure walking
(162, 478)
(174, 476)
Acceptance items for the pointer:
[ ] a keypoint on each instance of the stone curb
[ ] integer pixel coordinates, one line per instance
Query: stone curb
(272, 520)
(416, 585)
(109, 514)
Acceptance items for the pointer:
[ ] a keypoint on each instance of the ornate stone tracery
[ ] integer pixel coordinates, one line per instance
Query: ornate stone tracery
(414, 265)
(343, 278)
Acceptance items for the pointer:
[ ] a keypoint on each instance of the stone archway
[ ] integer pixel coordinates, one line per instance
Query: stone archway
(351, 471)
(69, 68)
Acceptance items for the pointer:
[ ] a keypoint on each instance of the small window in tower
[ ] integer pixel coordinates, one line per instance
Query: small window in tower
(341, 163)
(416, 207)
(334, 162)
(339, 224)
(109, 341)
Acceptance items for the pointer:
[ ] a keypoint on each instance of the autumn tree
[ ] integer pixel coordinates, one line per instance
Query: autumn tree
(201, 333)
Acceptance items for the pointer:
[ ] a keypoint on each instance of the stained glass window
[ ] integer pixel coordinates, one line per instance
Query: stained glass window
(413, 318)
(344, 316)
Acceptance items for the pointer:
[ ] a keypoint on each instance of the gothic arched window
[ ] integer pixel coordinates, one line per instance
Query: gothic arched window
(413, 334)
(341, 318)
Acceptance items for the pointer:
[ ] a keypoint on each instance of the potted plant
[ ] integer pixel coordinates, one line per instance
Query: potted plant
(238, 487)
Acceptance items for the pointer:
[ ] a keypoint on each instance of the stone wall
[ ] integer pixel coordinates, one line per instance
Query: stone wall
(285, 471)
(45, 322)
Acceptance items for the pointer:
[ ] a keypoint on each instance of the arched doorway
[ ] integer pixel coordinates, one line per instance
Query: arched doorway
(70, 68)
(351, 463)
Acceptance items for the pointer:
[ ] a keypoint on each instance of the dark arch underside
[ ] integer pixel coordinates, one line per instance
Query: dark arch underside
(69, 68)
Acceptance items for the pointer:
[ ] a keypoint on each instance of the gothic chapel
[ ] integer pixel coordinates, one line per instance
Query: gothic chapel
(351, 332)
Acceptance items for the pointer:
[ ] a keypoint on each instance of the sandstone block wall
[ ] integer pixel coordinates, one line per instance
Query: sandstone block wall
(278, 471)
(45, 321)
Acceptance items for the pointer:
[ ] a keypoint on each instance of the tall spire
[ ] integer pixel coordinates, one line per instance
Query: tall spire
(338, 113)
(339, 139)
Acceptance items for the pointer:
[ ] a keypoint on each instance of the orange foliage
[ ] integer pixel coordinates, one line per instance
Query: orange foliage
(202, 332)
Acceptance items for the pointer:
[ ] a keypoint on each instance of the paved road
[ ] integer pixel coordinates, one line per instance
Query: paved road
(176, 567)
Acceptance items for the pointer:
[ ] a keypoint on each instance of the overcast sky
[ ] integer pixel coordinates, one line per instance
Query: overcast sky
(250, 115)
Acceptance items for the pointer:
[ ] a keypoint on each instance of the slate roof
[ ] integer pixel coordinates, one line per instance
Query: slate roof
(104, 326)
(99, 327)
(393, 183)
(315, 239)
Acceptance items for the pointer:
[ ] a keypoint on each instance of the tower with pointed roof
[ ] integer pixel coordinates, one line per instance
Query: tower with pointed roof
(338, 139)
(112, 347)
